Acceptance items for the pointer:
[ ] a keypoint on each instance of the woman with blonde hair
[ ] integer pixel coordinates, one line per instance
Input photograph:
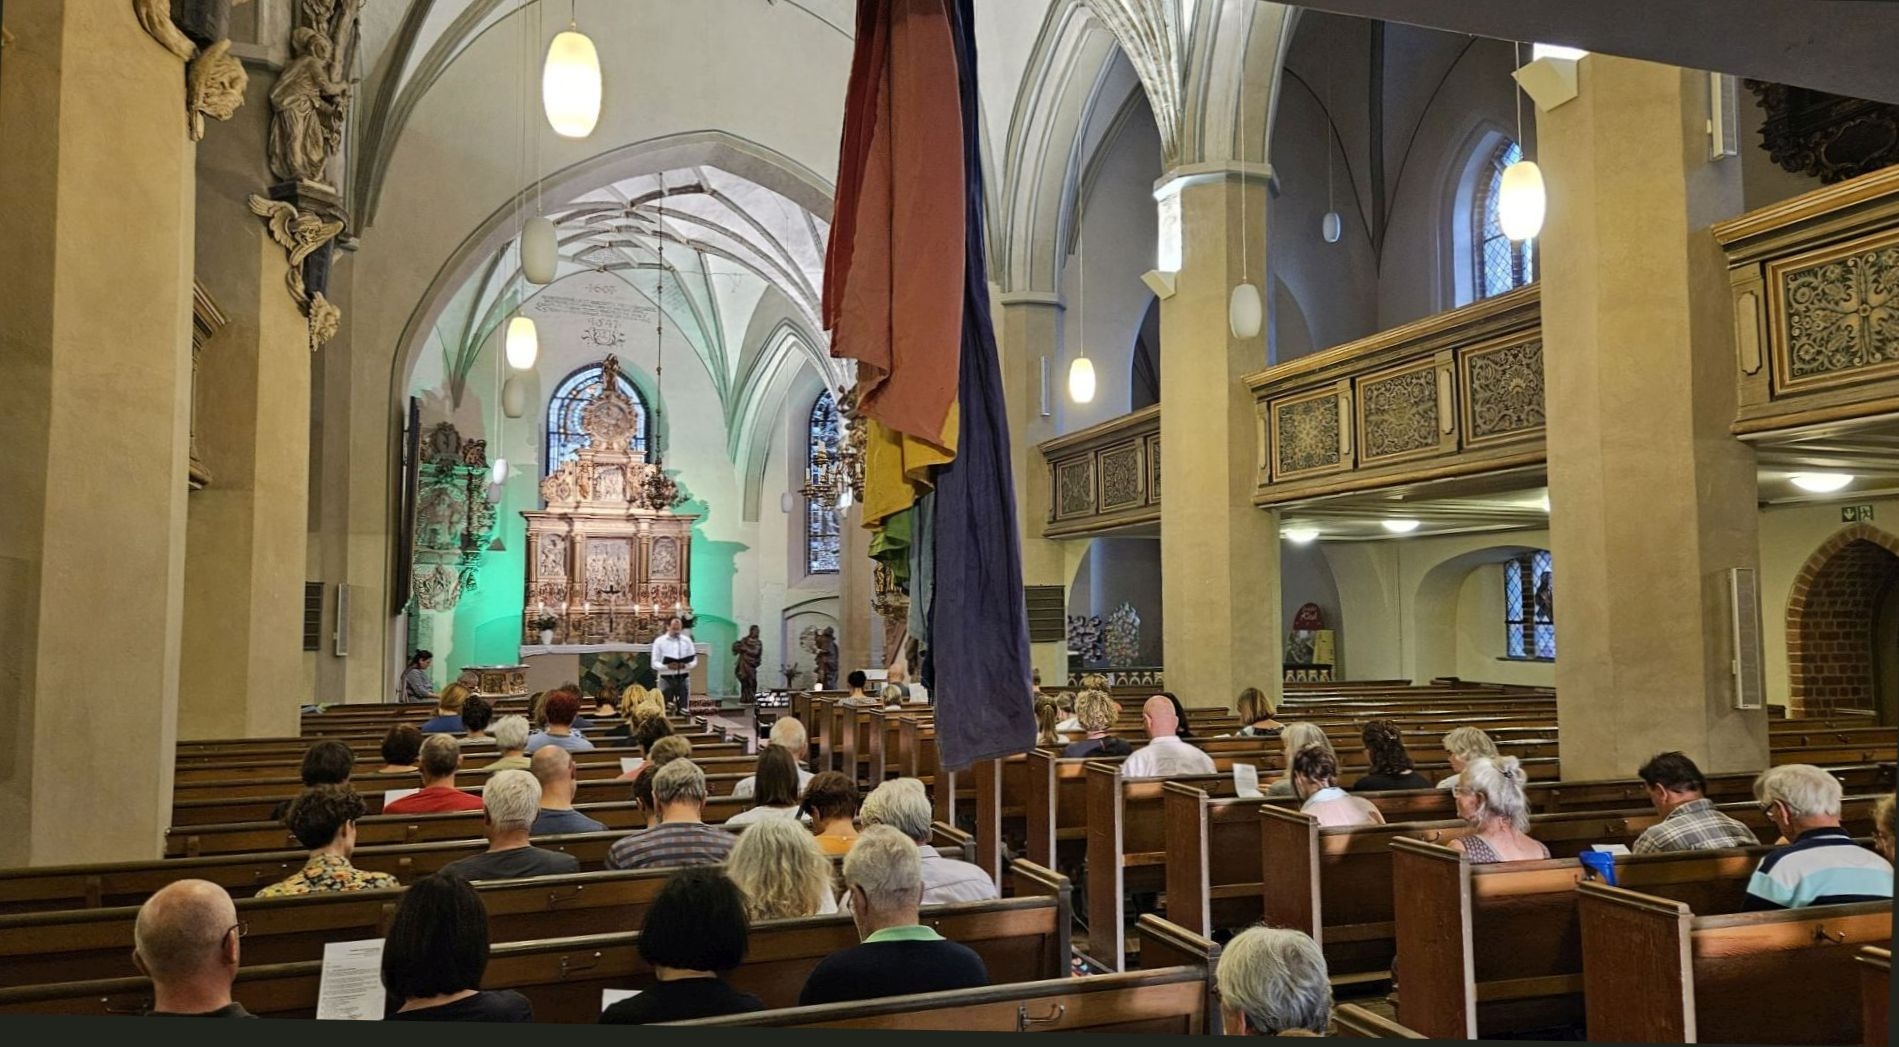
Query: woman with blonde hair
(1046, 713)
(1256, 714)
(1490, 800)
(1884, 833)
(1462, 745)
(781, 872)
(1292, 738)
(1096, 711)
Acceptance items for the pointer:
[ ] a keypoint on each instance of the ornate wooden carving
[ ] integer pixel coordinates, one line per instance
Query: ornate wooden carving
(1826, 136)
(206, 320)
(1399, 412)
(1106, 477)
(1504, 389)
(453, 518)
(1306, 431)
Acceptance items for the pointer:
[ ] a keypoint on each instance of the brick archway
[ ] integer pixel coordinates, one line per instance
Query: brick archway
(1830, 621)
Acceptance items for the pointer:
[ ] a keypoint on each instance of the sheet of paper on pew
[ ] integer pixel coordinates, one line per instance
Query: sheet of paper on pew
(351, 985)
(1610, 848)
(609, 997)
(630, 765)
(390, 796)
(1246, 779)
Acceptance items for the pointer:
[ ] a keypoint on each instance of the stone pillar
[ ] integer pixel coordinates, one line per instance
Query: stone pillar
(241, 672)
(856, 647)
(1219, 554)
(1031, 333)
(1652, 499)
(96, 212)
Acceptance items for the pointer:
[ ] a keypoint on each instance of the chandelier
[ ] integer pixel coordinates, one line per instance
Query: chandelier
(836, 478)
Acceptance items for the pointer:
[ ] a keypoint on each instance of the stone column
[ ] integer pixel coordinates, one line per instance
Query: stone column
(1031, 333)
(856, 647)
(241, 672)
(96, 212)
(1652, 499)
(1219, 554)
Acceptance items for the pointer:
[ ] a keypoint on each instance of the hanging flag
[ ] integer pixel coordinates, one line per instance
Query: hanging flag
(977, 662)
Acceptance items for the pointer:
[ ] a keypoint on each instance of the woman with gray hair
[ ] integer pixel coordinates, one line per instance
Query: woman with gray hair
(511, 735)
(1462, 745)
(1490, 800)
(1293, 738)
(1273, 982)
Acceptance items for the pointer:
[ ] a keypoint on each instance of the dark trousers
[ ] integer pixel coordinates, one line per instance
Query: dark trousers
(678, 691)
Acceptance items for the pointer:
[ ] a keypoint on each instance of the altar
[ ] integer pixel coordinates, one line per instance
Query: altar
(551, 665)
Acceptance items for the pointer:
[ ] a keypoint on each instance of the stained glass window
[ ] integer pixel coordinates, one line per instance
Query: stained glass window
(822, 541)
(1529, 606)
(564, 436)
(1501, 265)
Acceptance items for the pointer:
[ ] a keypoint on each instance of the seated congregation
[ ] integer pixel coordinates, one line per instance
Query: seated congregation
(809, 885)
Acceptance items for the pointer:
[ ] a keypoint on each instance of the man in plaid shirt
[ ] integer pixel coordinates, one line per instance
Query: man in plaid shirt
(1689, 819)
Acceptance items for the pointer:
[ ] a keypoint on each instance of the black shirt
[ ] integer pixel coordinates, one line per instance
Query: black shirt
(504, 1005)
(1378, 783)
(512, 864)
(1109, 746)
(229, 1010)
(895, 968)
(680, 1000)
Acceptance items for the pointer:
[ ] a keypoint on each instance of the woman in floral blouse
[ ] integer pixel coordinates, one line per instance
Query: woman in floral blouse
(324, 820)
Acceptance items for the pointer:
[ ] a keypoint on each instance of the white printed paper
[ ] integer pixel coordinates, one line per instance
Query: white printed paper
(631, 765)
(1246, 779)
(1610, 848)
(390, 796)
(351, 986)
(609, 997)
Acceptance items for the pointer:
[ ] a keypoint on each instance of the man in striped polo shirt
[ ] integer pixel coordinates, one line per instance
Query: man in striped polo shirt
(1821, 865)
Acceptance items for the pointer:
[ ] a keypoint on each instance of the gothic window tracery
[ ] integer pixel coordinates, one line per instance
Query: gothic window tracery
(1499, 264)
(822, 540)
(1529, 606)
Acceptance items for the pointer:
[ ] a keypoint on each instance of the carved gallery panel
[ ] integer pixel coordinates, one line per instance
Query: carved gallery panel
(1840, 311)
(1121, 477)
(1074, 487)
(1153, 470)
(1306, 434)
(1399, 412)
(1503, 392)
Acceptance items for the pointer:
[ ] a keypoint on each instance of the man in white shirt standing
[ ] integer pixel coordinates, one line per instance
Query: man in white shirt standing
(673, 659)
(1165, 755)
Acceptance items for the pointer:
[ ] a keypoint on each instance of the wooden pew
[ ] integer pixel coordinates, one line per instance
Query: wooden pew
(1170, 1001)
(1018, 939)
(1655, 971)
(1875, 995)
(1353, 1022)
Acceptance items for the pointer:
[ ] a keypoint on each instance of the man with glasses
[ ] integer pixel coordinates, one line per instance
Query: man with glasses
(1821, 863)
(186, 941)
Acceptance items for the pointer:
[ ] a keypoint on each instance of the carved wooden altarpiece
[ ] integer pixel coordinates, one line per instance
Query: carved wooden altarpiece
(608, 558)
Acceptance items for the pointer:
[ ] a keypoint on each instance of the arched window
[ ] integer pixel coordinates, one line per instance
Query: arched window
(1529, 606)
(1498, 264)
(564, 435)
(823, 545)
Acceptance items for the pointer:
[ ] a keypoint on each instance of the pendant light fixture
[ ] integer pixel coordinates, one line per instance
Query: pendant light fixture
(1245, 313)
(1520, 197)
(514, 396)
(523, 341)
(1331, 227)
(1081, 372)
(570, 81)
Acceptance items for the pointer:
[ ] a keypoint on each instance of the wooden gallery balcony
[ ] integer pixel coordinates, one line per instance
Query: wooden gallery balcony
(1456, 395)
(1105, 479)
(1816, 317)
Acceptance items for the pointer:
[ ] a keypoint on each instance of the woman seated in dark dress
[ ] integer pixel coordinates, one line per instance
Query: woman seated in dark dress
(1097, 713)
(435, 953)
(694, 934)
(1390, 763)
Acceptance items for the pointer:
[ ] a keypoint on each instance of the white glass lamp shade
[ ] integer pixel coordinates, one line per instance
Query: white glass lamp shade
(1300, 535)
(570, 84)
(1081, 380)
(1400, 526)
(524, 343)
(1520, 200)
(1821, 483)
(1331, 227)
(1244, 312)
(498, 473)
(514, 397)
(539, 251)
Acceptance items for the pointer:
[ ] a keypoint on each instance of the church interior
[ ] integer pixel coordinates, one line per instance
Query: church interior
(635, 392)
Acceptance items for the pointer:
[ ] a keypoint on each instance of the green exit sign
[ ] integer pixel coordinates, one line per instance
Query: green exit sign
(1856, 514)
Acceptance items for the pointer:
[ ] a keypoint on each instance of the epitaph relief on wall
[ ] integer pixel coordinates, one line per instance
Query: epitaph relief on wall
(453, 517)
(612, 556)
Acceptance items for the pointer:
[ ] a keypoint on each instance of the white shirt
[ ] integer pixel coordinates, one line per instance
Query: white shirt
(749, 784)
(947, 880)
(667, 646)
(761, 813)
(1166, 757)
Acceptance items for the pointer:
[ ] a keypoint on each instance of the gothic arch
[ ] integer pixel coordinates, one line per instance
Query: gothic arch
(1831, 617)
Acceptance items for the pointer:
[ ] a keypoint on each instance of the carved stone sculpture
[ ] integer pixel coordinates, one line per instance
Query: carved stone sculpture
(155, 17)
(309, 104)
(747, 652)
(302, 233)
(214, 86)
(824, 649)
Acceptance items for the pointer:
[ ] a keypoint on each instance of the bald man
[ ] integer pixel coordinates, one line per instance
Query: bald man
(1165, 755)
(185, 940)
(553, 767)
